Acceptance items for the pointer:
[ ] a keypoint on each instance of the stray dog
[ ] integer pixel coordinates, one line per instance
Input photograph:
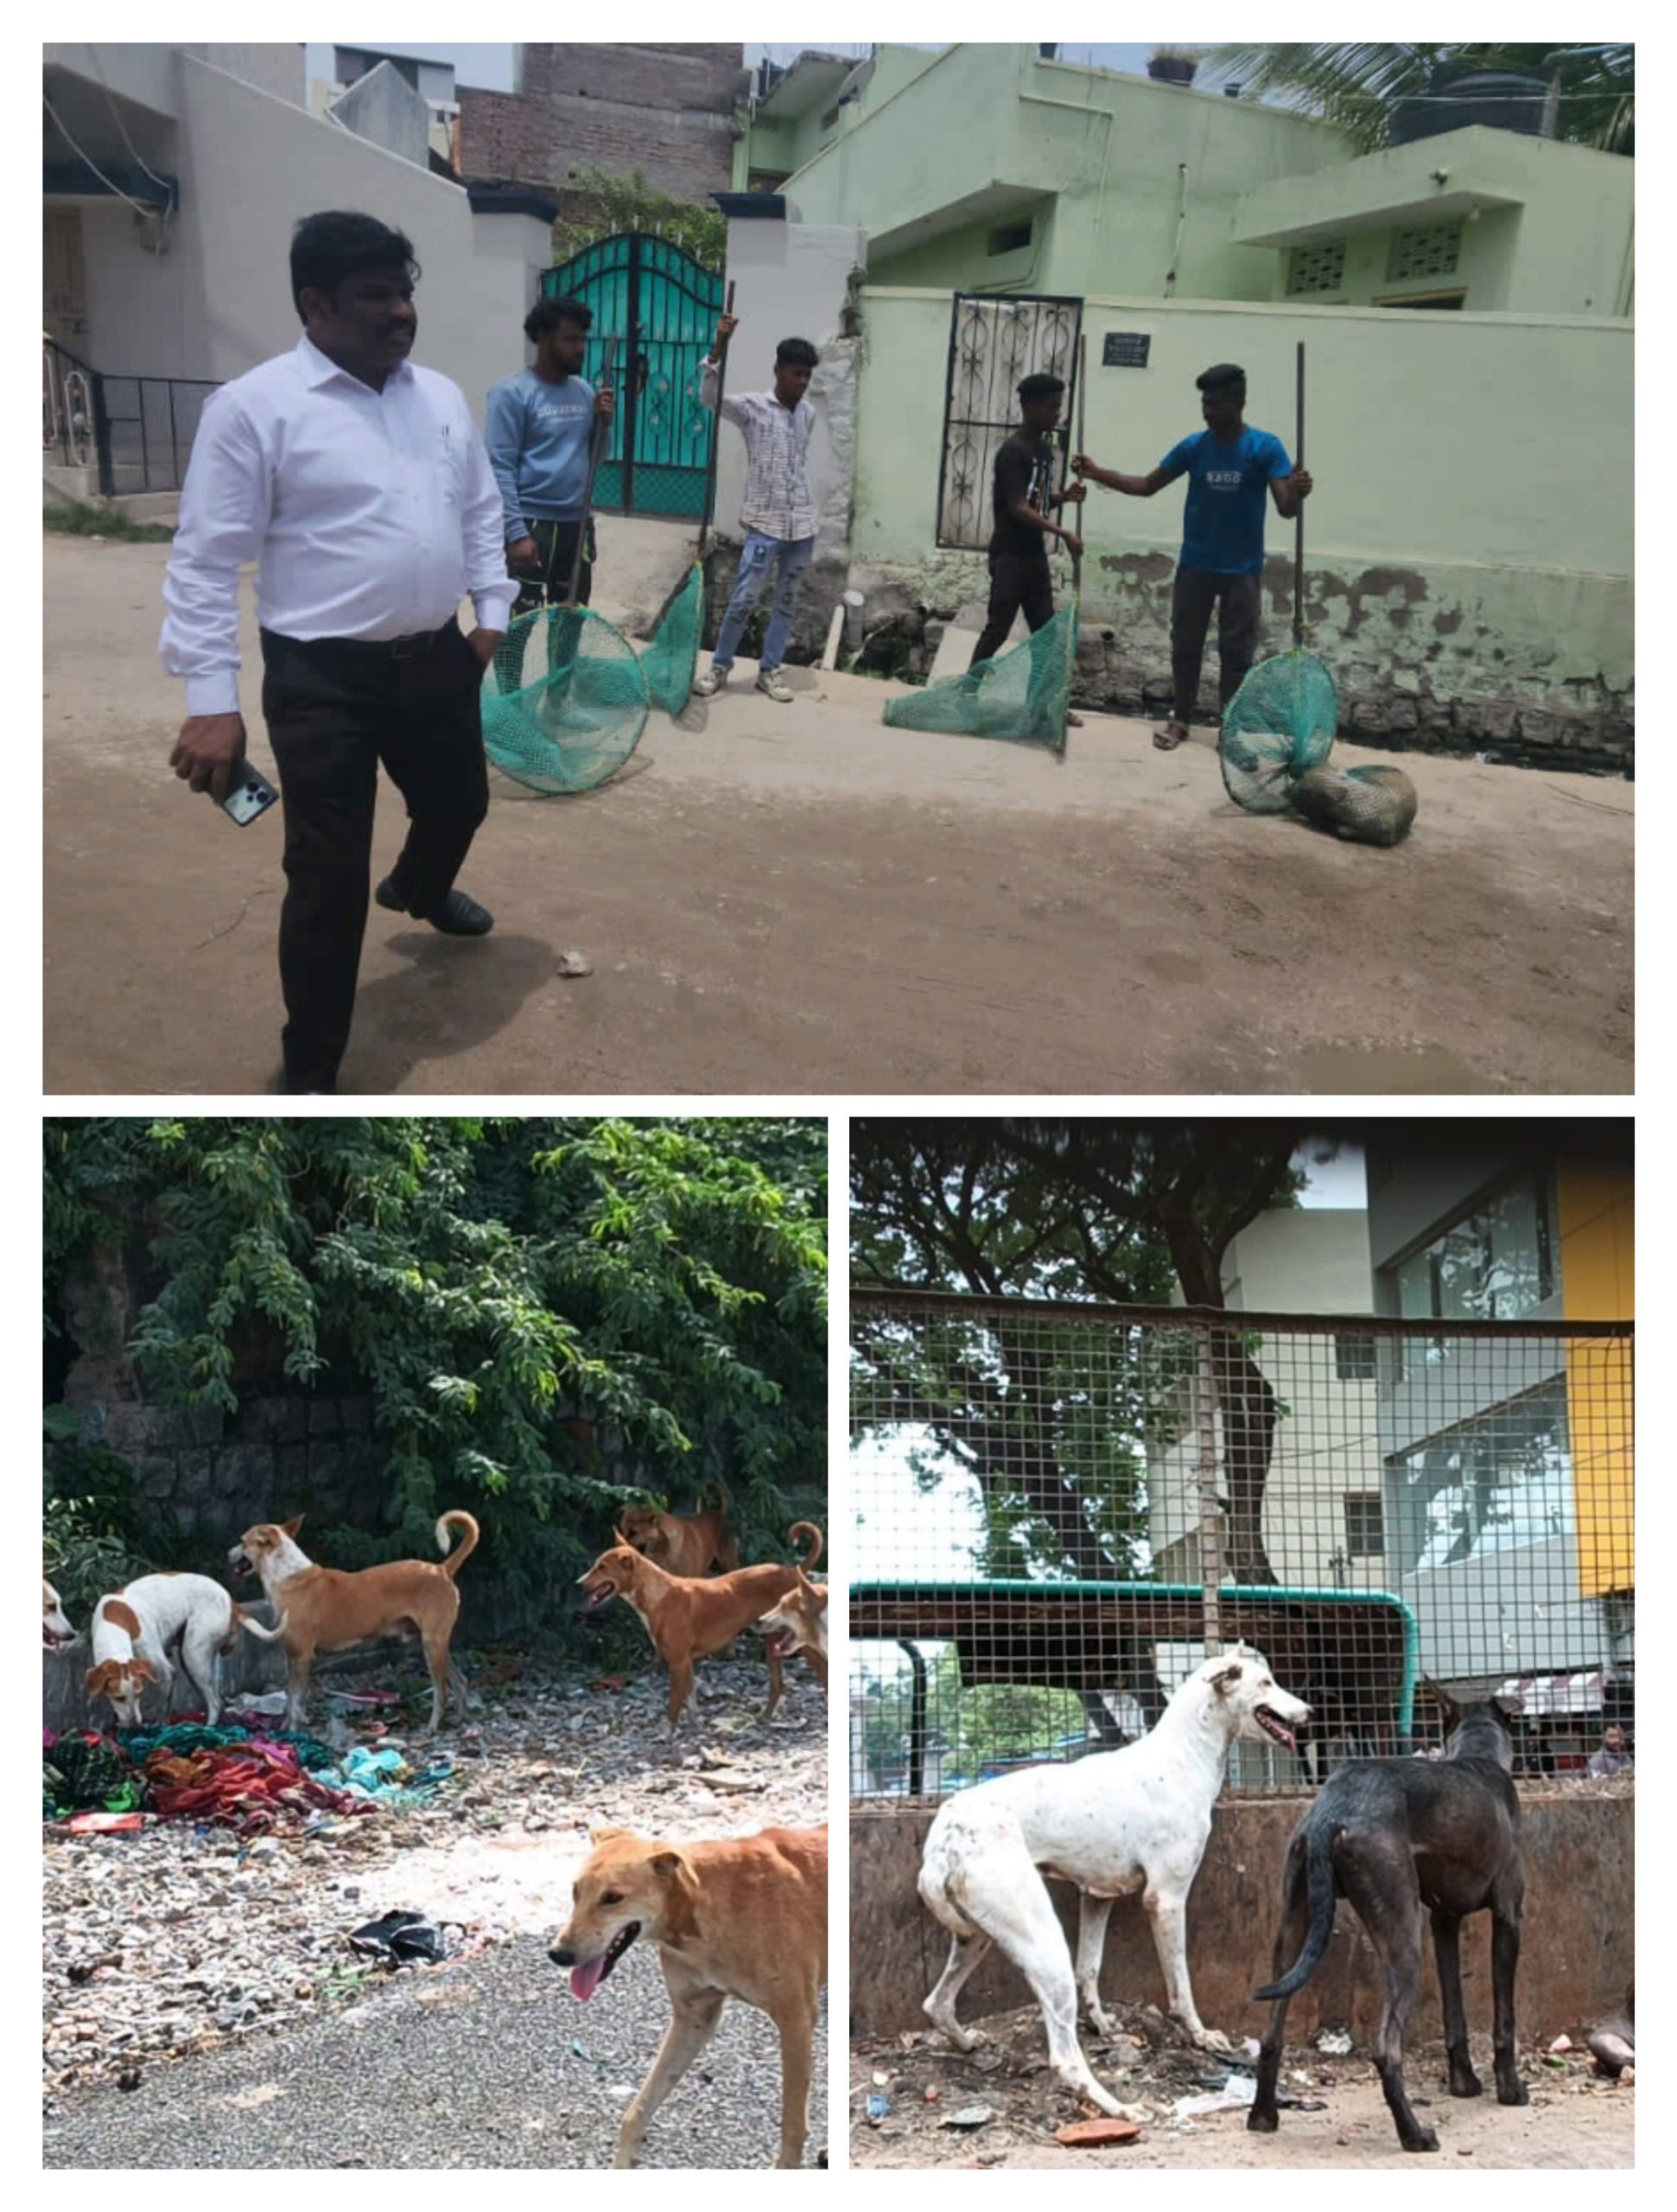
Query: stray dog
(135, 1630)
(1135, 1819)
(689, 1618)
(1393, 1835)
(680, 1543)
(798, 1623)
(55, 1628)
(742, 1917)
(324, 1608)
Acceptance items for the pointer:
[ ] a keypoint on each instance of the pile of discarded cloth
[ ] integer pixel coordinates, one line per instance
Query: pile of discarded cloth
(247, 1779)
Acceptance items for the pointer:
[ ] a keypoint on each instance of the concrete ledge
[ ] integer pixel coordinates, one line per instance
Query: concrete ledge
(1576, 1958)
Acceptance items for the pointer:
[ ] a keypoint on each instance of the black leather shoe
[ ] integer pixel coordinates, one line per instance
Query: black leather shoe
(457, 915)
(290, 1086)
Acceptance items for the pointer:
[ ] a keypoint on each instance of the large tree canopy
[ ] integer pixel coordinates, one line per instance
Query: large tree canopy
(508, 1291)
(1054, 1423)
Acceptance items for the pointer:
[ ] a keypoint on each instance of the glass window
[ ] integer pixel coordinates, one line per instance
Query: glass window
(1495, 1266)
(1364, 1535)
(1497, 1482)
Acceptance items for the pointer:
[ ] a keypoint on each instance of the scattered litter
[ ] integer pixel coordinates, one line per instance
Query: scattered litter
(969, 2116)
(931, 2095)
(879, 2107)
(881, 2079)
(1239, 2090)
(1562, 2044)
(1086, 2134)
(404, 1938)
(1252, 2047)
(107, 1823)
(1334, 2043)
(574, 964)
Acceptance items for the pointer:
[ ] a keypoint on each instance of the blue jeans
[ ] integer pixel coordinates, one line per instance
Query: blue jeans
(759, 555)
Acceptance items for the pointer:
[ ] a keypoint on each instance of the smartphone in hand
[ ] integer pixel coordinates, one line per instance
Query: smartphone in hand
(254, 795)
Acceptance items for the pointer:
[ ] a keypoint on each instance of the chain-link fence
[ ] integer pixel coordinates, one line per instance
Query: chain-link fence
(1060, 1510)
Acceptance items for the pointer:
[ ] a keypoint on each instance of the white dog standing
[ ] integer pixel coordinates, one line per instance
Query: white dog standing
(135, 1630)
(1135, 1819)
(56, 1630)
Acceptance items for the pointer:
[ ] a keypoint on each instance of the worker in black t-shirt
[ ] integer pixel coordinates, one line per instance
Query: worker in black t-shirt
(1025, 501)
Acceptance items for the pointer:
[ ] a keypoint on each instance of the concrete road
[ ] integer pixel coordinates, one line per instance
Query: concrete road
(489, 2062)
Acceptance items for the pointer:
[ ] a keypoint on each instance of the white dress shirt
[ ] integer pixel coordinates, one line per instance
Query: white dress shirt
(777, 500)
(370, 514)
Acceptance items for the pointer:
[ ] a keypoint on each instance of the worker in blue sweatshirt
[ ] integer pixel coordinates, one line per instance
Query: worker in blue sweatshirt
(536, 427)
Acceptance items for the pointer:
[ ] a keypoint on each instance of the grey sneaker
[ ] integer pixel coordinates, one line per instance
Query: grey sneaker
(768, 681)
(714, 680)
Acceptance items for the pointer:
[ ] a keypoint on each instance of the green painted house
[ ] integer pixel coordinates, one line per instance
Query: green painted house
(988, 168)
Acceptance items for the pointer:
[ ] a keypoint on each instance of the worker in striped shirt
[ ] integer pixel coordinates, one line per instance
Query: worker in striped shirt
(777, 513)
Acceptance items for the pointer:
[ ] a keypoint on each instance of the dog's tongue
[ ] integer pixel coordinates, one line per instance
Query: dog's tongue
(584, 1980)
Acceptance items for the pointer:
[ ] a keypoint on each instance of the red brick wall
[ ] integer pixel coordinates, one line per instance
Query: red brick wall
(667, 110)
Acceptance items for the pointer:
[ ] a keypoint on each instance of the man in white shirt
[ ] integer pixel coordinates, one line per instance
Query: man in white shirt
(359, 485)
(778, 511)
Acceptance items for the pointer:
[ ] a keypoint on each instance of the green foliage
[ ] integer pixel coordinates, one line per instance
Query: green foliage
(511, 1292)
(1054, 1422)
(966, 1729)
(76, 518)
(1358, 86)
(93, 1538)
(600, 205)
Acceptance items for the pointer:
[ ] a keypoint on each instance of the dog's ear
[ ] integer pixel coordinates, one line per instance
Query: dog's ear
(604, 1835)
(1442, 1698)
(144, 1671)
(673, 1869)
(1225, 1680)
(290, 1527)
(99, 1678)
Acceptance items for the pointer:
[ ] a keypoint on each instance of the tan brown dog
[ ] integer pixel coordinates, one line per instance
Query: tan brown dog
(742, 1917)
(688, 1618)
(689, 1543)
(323, 1608)
(798, 1623)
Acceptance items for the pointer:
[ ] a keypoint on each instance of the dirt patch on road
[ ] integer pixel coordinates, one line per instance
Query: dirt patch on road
(798, 900)
(1573, 2119)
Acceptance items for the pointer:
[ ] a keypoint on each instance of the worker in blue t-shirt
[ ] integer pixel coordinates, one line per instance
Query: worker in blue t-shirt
(1227, 466)
(536, 427)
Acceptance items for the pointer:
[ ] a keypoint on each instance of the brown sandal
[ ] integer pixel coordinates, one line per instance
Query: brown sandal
(1173, 735)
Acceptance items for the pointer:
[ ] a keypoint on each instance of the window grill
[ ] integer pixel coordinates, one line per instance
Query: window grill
(1319, 268)
(1424, 250)
(1060, 1510)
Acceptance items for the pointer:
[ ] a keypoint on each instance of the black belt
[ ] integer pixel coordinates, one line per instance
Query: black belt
(412, 647)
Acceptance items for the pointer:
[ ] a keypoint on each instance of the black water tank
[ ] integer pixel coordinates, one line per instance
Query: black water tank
(1497, 99)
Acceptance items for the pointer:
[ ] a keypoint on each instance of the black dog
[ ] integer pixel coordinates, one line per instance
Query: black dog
(1393, 1835)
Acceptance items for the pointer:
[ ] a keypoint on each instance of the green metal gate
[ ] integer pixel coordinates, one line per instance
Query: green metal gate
(661, 306)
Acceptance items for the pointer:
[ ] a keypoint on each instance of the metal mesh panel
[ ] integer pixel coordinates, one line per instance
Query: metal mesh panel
(1060, 1510)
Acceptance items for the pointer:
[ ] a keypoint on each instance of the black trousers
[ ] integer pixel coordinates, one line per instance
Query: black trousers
(1239, 603)
(557, 543)
(1017, 580)
(334, 709)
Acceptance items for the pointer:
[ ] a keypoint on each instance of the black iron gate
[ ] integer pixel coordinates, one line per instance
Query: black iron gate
(661, 306)
(994, 341)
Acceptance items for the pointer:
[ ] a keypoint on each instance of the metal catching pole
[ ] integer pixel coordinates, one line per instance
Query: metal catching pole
(1298, 520)
(596, 451)
(1077, 558)
(716, 433)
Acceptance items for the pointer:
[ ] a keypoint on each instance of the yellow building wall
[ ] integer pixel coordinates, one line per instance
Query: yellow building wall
(1595, 1206)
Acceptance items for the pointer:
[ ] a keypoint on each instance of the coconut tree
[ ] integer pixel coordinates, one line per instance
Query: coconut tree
(1359, 86)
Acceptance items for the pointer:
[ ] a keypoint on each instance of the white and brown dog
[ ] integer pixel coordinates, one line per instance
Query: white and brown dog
(136, 1630)
(324, 1608)
(56, 1629)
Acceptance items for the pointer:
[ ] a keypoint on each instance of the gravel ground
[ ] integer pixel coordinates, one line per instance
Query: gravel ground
(1010, 2105)
(161, 1950)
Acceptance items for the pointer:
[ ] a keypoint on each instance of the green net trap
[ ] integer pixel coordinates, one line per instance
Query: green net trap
(672, 654)
(1277, 733)
(1020, 694)
(564, 702)
(1278, 724)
